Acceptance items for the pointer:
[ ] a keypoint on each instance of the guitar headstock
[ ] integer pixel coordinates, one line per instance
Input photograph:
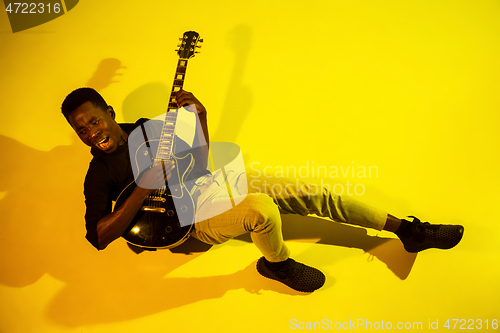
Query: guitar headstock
(188, 45)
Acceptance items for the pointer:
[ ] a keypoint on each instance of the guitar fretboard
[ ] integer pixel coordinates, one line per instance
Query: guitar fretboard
(167, 134)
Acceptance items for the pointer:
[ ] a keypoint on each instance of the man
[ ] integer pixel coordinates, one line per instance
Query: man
(258, 213)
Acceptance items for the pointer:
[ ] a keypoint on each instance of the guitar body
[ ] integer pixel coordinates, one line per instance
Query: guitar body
(166, 217)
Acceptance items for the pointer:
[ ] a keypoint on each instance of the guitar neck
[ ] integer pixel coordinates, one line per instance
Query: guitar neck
(180, 73)
(167, 134)
(186, 50)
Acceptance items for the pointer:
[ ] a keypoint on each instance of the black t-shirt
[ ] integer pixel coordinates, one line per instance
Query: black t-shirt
(109, 174)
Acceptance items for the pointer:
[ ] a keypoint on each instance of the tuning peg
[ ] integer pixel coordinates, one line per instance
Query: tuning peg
(197, 52)
(181, 38)
(201, 41)
(198, 46)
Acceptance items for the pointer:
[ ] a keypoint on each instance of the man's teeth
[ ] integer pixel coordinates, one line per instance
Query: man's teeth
(101, 143)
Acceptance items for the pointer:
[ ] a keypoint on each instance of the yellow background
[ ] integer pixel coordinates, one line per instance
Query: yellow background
(412, 87)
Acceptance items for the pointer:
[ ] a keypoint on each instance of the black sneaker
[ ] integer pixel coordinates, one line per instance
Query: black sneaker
(294, 274)
(418, 236)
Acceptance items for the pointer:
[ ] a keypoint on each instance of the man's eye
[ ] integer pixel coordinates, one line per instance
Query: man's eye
(82, 132)
(96, 121)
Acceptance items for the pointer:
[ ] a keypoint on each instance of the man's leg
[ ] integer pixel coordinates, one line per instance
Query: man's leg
(300, 198)
(297, 197)
(257, 214)
(392, 224)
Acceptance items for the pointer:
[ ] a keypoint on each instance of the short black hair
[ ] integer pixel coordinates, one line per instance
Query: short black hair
(78, 97)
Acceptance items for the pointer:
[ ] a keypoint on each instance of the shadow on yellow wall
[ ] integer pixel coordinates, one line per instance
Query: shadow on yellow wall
(239, 97)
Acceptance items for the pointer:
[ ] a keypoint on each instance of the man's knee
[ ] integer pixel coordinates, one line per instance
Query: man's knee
(262, 211)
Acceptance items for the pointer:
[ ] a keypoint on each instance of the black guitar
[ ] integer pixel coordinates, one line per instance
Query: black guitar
(166, 217)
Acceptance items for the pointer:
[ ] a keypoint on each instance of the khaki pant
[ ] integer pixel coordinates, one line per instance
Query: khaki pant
(258, 213)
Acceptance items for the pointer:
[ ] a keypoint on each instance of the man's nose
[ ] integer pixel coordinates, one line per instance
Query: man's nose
(94, 132)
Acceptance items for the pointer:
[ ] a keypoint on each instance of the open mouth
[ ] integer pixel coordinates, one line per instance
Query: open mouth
(103, 144)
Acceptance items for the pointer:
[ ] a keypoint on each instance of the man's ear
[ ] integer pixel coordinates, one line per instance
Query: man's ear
(111, 112)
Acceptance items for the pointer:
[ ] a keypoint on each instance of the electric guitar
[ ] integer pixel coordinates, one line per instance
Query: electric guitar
(166, 217)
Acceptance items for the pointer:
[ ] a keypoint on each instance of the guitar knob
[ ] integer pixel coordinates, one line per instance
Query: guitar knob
(184, 209)
(168, 229)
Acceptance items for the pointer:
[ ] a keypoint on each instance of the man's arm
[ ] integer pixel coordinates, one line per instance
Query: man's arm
(187, 99)
(114, 225)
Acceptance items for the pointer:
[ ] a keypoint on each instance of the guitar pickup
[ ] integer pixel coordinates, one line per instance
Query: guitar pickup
(153, 209)
(160, 199)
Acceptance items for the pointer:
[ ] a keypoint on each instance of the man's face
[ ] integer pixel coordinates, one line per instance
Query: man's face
(96, 127)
